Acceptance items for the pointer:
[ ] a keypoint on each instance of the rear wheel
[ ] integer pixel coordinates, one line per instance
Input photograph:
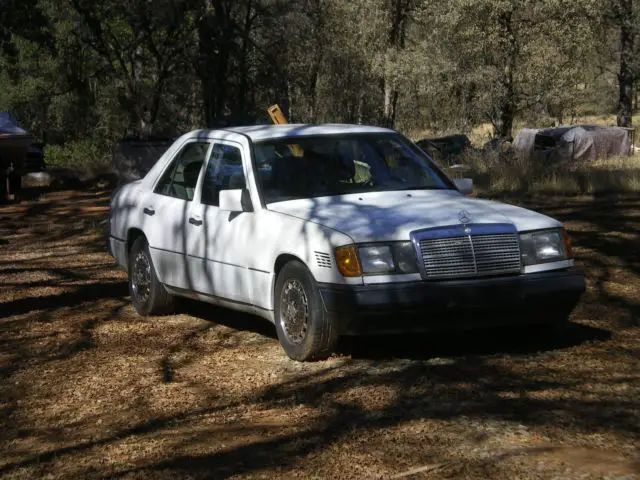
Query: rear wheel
(305, 330)
(148, 295)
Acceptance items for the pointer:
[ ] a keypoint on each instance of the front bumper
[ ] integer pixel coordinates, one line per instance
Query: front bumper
(532, 298)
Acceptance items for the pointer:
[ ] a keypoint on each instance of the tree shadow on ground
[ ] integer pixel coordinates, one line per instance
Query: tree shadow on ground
(239, 321)
(81, 294)
(466, 388)
(472, 383)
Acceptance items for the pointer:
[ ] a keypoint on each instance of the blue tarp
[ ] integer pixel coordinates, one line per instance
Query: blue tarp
(9, 125)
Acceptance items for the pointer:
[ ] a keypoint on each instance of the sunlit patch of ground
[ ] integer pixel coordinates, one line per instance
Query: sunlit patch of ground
(88, 389)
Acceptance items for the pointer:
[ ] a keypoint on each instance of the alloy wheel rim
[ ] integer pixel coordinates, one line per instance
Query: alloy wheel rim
(294, 311)
(141, 277)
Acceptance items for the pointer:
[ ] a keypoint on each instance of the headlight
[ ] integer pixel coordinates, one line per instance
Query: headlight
(405, 255)
(376, 259)
(545, 246)
(383, 259)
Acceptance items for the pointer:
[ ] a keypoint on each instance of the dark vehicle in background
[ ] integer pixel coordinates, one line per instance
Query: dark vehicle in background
(34, 161)
(445, 149)
(19, 155)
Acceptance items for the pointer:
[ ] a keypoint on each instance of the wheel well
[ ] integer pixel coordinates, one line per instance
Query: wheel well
(132, 236)
(282, 260)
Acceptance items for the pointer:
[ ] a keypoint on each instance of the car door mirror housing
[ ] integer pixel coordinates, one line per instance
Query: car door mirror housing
(465, 185)
(235, 200)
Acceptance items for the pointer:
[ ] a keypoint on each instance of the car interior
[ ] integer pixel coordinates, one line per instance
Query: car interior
(224, 172)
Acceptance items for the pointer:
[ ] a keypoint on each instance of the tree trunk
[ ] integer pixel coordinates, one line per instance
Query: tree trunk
(503, 118)
(504, 114)
(143, 126)
(206, 66)
(290, 113)
(626, 77)
(397, 40)
(244, 73)
(318, 58)
(215, 44)
(360, 106)
(387, 113)
(313, 87)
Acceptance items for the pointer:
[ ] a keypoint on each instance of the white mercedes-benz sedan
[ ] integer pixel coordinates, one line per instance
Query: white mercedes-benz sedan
(328, 230)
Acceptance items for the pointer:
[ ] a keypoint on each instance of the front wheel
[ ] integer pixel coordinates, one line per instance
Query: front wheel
(304, 329)
(148, 295)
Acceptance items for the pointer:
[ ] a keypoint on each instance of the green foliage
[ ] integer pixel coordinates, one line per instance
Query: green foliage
(79, 155)
(77, 69)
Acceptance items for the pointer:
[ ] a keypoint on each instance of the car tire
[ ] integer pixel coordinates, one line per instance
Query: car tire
(305, 330)
(148, 295)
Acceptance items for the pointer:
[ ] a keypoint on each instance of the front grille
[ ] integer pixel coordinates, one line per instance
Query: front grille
(469, 256)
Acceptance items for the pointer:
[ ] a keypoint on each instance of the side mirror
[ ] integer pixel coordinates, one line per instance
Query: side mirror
(465, 185)
(236, 200)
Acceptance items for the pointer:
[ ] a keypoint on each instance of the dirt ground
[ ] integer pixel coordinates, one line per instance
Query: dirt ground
(89, 390)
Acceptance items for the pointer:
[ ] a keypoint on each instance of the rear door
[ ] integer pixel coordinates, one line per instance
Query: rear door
(165, 214)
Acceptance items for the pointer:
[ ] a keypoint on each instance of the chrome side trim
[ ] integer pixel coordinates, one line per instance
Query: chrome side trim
(396, 278)
(473, 229)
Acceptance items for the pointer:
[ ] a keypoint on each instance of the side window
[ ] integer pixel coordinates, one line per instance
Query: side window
(224, 172)
(180, 179)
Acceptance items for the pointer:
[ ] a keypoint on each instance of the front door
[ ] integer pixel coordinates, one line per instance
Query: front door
(217, 239)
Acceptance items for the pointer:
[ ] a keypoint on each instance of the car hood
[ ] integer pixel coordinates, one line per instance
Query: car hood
(388, 216)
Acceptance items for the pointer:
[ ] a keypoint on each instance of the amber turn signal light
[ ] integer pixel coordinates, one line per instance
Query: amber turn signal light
(347, 261)
(568, 245)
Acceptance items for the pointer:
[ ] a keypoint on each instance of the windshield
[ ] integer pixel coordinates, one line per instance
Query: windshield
(337, 165)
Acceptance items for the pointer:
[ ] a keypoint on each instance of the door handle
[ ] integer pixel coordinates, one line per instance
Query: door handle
(149, 211)
(195, 221)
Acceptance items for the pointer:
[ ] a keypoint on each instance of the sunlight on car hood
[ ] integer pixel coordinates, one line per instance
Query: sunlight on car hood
(385, 216)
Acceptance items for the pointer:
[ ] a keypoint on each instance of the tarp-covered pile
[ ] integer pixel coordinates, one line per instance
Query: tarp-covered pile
(572, 143)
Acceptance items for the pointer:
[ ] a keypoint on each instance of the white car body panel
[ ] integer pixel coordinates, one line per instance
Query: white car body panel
(231, 257)
(225, 261)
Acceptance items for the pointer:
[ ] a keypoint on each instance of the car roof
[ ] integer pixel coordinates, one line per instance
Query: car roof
(258, 133)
